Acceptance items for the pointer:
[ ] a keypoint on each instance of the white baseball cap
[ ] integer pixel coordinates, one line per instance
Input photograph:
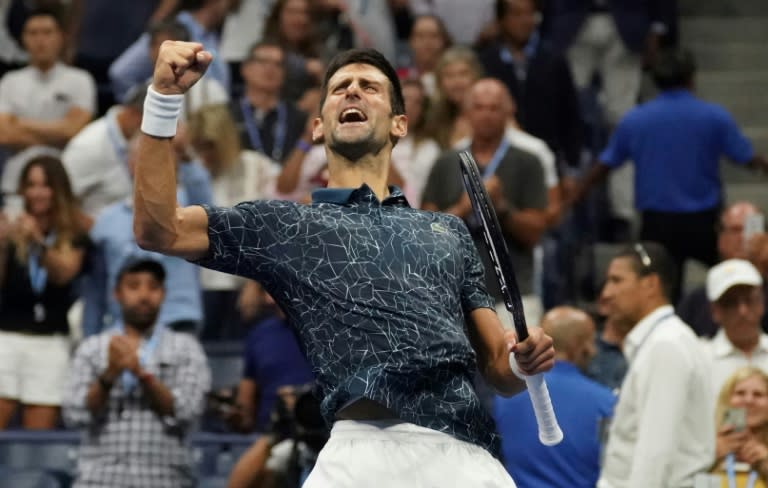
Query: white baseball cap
(729, 274)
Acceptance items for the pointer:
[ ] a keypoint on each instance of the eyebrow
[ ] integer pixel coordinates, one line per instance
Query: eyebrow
(346, 81)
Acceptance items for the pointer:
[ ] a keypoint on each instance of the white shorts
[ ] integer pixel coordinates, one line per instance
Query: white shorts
(33, 369)
(392, 454)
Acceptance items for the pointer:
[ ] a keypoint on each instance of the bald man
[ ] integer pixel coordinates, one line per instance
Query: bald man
(514, 180)
(582, 407)
(694, 307)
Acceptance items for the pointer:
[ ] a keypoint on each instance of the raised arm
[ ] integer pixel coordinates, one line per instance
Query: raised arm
(159, 223)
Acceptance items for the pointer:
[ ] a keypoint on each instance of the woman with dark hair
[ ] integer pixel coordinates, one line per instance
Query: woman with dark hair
(41, 253)
(427, 41)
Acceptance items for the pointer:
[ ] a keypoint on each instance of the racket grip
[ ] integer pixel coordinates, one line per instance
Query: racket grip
(550, 433)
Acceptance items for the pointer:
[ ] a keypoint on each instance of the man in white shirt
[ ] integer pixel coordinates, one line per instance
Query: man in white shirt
(96, 159)
(735, 292)
(45, 103)
(662, 432)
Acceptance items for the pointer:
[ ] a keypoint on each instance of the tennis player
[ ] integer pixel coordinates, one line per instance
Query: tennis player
(388, 301)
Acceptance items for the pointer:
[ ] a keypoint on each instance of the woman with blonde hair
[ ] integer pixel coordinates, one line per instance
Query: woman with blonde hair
(237, 175)
(456, 72)
(41, 253)
(741, 415)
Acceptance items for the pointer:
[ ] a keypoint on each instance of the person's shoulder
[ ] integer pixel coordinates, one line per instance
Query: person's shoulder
(183, 343)
(17, 76)
(88, 139)
(74, 74)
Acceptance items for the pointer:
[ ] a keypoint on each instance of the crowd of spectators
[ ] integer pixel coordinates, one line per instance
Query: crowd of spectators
(93, 327)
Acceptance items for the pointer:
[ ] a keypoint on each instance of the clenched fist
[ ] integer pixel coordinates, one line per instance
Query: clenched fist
(179, 65)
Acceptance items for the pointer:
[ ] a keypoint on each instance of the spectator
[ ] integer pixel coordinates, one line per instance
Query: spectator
(464, 20)
(41, 252)
(268, 123)
(735, 293)
(456, 71)
(694, 307)
(236, 176)
(612, 38)
(289, 26)
(100, 30)
(675, 142)
(273, 359)
(515, 182)
(427, 41)
(97, 158)
(609, 366)
(659, 435)
(44, 104)
(538, 78)
(202, 18)
(209, 91)
(582, 406)
(136, 391)
(243, 27)
(745, 390)
(114, 244)
(416, 153)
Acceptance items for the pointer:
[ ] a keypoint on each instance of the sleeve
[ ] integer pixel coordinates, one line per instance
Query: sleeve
(131, 67)
(82, 374)
(84, 93)
(197, 182)
(617, 151)
(662, 405)
(6, 106)
(533, 189)
(733, 143)
(191, 382)
(249, 239)
(474, 294)
(78, 159)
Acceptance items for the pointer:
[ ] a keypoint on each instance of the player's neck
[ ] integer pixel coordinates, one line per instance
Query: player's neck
(261, 99)
(369, 170)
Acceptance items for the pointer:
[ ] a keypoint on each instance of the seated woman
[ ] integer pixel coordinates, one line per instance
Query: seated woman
(742, 436)
(41, 253)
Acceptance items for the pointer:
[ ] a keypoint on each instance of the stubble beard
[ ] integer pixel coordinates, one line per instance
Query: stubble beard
(356, 150)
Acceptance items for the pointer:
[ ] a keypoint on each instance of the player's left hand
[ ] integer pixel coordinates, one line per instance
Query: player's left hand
(533, 355)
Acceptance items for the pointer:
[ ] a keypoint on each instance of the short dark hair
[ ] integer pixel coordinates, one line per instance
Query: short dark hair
(502, 5)
(172, 28)
(649, 258)
(142, 265)
(373, 58)
(265, 43)
(673, 68)
(48, 11)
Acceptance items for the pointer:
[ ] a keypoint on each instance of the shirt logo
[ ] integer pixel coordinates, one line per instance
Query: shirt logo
(437, 227)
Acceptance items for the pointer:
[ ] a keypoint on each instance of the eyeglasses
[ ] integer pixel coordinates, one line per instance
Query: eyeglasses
(645, 259)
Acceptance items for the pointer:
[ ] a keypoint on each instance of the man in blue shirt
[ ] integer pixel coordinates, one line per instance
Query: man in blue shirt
(378, 292)
(585, 406)
(676, 141)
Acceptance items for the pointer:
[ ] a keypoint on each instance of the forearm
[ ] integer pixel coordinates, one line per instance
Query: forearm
(154, 196)
(525, 226)
(251, 467)
(15, 136)
(288, 179)
(54, 133)
(160, 397)
(596, 174)
(487, 338)
(98, 393)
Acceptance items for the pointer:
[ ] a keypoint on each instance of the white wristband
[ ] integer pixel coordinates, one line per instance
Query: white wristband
(161, 113)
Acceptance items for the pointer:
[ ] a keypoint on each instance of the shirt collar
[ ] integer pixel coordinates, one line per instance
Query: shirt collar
(640, 332)
(362, 195)
(676, 93)
(47, 75)
(723, 347)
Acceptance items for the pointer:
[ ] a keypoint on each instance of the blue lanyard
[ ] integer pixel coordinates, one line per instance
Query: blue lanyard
(493, 164)
(38, 274)
(648, 334)
(146, 350)
(730, 469)
(280, 130)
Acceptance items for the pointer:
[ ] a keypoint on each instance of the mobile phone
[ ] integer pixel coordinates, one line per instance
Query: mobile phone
(736, 417)
(753, 224)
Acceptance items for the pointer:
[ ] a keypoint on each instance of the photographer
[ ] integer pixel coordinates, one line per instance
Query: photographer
(285, 456)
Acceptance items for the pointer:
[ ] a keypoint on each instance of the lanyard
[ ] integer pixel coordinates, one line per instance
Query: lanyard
(730, 469)
(279, 133)
(38, 274)
(146, 349)
(648, 334)
(493, 164)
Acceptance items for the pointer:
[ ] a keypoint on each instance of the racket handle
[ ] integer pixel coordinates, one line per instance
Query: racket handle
(550, 433)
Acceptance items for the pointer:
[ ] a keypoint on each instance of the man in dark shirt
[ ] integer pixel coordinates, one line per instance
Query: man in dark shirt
(377, 292)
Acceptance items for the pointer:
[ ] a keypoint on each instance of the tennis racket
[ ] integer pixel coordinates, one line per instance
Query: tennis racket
(549, 430)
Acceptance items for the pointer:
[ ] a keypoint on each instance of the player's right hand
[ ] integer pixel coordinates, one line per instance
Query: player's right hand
(179, 65)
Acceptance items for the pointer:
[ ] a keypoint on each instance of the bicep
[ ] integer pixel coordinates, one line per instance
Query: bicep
(486, 333)
(192, 238)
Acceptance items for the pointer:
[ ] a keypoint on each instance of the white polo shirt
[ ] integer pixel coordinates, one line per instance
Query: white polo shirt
(725, 359)
(34, 94)
(96, 161)
(662, 432)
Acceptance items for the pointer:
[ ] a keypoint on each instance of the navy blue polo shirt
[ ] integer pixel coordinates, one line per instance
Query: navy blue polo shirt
(377, 292)
(676, 141)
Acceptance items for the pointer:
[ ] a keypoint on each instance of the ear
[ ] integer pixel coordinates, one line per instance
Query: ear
(317, 131)
(399, 128)
(715, 311)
